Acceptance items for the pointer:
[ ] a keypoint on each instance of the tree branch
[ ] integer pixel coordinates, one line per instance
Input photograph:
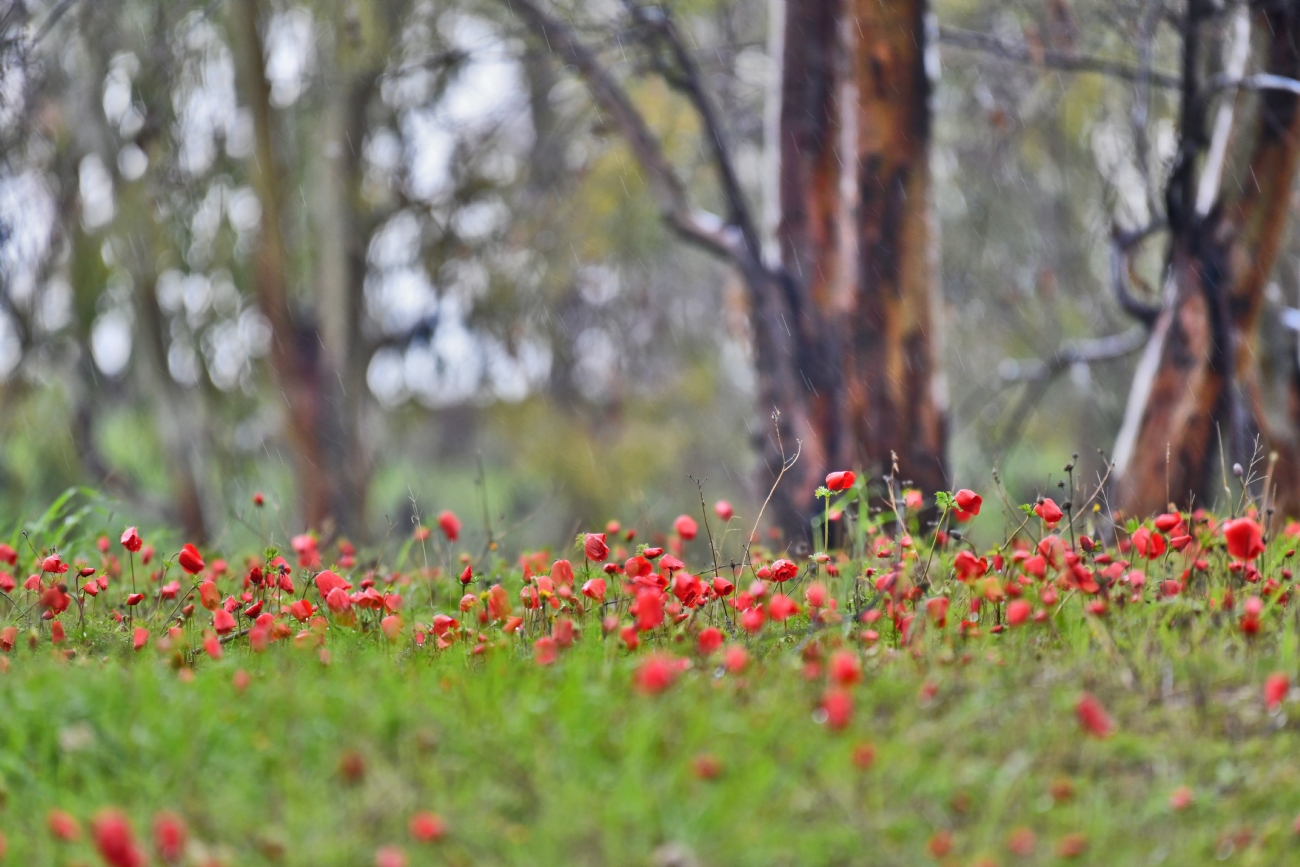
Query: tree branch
(1085, 351)
(660, 21)
(1121, 269)
(1261, 81)
(1038, 375)
(705, 229)
(1020, 52)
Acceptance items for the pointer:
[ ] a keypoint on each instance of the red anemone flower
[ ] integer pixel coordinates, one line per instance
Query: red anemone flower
(968, 504)
(190, 559)
(1276, 686)
(115, 840)
(131, 540)
(450, 525)
(1244, 537)
(686, 527)
(1049, 512)
(841, 481)
(594, 547)
(1093, 717)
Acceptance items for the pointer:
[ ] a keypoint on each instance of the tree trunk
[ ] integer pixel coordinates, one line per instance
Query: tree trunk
(809, 236)
(1189, 410)
(895, 390)
(315, 412)
(856, 239)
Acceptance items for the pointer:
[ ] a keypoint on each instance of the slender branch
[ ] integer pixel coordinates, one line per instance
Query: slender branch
(688, 82)
(1261, 81)
(1086, 351)
(1039, 375)
(1021, 52)
(707, 230)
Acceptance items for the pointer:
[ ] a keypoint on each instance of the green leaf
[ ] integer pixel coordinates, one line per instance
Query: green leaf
(944, 500)
(1027, 508)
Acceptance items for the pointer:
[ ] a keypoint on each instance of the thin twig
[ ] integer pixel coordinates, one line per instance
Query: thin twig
(1022, 52)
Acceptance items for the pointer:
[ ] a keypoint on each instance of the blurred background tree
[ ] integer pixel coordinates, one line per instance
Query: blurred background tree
(378, 259)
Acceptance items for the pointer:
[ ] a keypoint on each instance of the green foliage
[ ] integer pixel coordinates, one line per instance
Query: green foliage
(959, 736)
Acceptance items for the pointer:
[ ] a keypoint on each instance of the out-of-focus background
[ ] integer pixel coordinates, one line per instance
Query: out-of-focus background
(468, 251)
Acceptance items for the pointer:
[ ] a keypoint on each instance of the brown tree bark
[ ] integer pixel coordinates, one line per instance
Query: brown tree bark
(810, 236)
(895, 387)
(856, 239)
(1191, 396)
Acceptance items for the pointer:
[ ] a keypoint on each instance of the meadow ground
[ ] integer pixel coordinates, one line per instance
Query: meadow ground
(1128, 704)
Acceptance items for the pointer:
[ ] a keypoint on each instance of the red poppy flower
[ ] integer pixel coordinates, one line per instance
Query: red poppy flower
(115, 840)
(844, 669)
(1049, 512)
(449, 524)
(595, 589)
(648, 608)
(968, 504)
(328, 581)
(390, 856)
(656, 673)
(190, 559)
(1276, 686)
(724, 510)
(62, 826)
(709, 640)
(595, 547)
(169, 834)
(837, 705)
(427, 827)
(1244, 537)
(840, 481)
(686, 527)
(545, 650)
(937, 608)
(781, 607)
(1148, 544)
(223, 621)
(784, 570)
(131, 540)
(1018, 611)
(1093, 717)
(735, 659)
(968, 566)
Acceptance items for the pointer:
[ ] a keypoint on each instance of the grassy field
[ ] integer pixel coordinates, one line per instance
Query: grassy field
(1140, 734)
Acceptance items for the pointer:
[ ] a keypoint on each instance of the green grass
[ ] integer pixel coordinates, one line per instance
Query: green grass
(570, 764)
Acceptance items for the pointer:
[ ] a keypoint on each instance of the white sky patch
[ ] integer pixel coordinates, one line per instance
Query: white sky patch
(54, 306)
(11, 350)
(386, 377)
(27, 216)
(95, 185)
(290, 55)
(596, 363)
(487, 93)
(110, 342)
(204, 98)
